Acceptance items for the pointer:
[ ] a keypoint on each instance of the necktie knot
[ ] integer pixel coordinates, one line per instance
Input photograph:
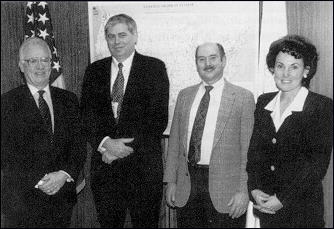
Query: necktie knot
(41, 92)
(120, 66)
(208, 88)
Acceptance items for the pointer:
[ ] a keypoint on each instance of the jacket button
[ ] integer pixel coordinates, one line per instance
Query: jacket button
(184, 154)
(187, 174)
(272, 168)
(274, 140)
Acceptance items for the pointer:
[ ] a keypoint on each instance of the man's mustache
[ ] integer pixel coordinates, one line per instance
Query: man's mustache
(209, 68)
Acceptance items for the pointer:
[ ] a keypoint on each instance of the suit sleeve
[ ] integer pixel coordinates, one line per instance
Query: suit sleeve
(247, 122)
(174, 144)
(77, 147)
(156, 119)
(317, 149)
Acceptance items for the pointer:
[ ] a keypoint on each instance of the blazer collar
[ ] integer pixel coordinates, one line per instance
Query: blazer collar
(225, 108)
(189, 99)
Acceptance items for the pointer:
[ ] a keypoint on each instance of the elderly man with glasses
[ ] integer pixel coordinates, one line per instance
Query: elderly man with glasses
(42, 150)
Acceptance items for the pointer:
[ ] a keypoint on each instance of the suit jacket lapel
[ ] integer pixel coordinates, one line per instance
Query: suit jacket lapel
(103, 88)
(225, 108)
(132, 84)
(189, 99)
(31, 114)
(57, 109)
(296, 119)
(134, 71)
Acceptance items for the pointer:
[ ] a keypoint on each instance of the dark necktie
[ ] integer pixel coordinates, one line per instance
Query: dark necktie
(45, 112)
(194, 154)
(117, 90)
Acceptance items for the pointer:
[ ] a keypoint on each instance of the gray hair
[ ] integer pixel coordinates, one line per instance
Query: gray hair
(33, 41)
(121, 18)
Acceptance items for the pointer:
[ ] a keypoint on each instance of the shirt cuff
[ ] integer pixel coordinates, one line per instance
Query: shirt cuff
(100, 148)
(69, 179)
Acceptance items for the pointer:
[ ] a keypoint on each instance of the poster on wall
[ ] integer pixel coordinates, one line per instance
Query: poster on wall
(171, 31)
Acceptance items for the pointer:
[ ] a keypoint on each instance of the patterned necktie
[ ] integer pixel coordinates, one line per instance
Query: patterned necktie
(117, 90)
(194, 155)
(45, 112)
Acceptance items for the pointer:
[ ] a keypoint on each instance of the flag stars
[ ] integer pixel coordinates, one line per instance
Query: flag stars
(38, 24)
(43, 4)
(43, 33)
(56, 65)
(29, 4)
(43, 18)
(30, 18)
(55, 51)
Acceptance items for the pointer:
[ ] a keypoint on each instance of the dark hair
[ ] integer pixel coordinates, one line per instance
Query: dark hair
(220, 48)
(298, 47)
(122, 18)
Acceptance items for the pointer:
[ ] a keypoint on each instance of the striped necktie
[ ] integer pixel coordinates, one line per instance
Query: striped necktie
(194, 155)
(117, 90)
(45, 112)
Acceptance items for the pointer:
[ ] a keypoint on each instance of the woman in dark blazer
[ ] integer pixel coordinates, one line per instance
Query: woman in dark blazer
(291, 144)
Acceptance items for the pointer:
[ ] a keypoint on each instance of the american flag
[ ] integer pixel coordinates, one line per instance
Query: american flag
(38, 23)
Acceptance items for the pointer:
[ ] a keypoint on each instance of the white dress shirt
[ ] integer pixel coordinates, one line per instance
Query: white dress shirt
(47, 98)
(297, 104)
(114, 70)
(210, 121)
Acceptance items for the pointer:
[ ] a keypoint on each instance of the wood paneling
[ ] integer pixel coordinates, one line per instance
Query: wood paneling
(12, 34)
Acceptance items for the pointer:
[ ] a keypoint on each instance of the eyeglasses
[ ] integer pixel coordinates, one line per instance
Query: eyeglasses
(34, 61)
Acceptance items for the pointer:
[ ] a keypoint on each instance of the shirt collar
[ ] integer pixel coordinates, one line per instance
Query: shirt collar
(34, 90)
(296, 105)
(219, 84)
(126, 63)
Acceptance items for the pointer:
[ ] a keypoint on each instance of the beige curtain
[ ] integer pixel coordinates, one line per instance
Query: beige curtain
(314, 20)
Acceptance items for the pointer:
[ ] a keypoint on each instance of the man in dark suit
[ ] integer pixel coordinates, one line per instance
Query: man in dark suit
(42, 150)
(124, 108)
(207, 150)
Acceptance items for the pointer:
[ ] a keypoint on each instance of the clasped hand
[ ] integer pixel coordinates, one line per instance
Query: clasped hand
(238, 204)
(266, 203)
(116, 148)
(51, 183)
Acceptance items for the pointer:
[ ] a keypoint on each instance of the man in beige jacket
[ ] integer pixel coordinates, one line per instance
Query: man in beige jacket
(207, 151)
